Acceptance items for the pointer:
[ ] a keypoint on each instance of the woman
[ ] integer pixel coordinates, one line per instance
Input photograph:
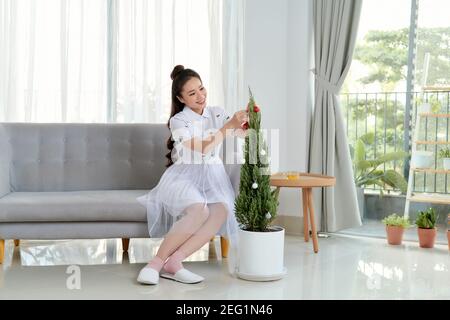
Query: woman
(194, 199)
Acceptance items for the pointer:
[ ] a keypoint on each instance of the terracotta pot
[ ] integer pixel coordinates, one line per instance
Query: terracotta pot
(448, 239)
(394, 234)
(427, 237)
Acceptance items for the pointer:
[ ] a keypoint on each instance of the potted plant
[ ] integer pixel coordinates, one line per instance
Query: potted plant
(369, 171)
(448, 231)
(426, 223)
(432, 105)
(425, 108)
(422, 159)
(444, 154)
(395, 227)
(261, 246)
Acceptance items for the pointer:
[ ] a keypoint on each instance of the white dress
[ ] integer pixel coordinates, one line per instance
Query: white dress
(193, 178)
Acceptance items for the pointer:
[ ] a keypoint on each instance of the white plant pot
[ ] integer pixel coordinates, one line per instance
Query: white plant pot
(425, 108)
(422, 159)
(446, 162)
(261, 255)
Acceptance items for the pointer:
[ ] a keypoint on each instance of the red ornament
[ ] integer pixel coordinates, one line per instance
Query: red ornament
(245, 126)
(256, 108)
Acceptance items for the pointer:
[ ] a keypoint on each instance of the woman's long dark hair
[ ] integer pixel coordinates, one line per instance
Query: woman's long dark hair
(179, 77)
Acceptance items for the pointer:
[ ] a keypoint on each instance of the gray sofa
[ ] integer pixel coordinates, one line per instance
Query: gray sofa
(79, 181)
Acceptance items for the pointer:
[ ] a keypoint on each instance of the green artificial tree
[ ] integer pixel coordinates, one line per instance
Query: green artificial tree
(256, 204)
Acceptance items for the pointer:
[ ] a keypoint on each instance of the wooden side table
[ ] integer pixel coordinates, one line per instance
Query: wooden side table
(305, 181)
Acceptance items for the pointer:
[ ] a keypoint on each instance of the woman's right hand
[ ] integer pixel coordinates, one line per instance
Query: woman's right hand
(238, 119)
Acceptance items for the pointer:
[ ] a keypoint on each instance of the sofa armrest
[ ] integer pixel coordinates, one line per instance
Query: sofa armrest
(5, 159)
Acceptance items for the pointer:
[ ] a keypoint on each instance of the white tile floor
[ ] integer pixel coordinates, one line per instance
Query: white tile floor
(345, 268)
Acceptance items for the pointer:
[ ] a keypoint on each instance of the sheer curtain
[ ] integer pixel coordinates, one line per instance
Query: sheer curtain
(52, 61)
(235, 95)
(154, 36)
(110, 60)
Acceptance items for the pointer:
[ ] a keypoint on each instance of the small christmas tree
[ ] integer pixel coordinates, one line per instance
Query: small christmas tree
(256, 204)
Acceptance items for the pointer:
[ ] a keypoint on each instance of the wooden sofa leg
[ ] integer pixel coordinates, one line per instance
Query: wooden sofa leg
(16, 242)
(2, 250)
(125, 244)
(224, 245)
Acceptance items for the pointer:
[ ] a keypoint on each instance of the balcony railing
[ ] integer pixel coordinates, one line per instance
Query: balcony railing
(384, 114)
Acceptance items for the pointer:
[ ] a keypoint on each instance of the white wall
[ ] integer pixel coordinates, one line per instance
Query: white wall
(277, 63)
(265, 62)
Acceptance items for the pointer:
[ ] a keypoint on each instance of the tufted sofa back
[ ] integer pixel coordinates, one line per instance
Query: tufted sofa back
(73, 157)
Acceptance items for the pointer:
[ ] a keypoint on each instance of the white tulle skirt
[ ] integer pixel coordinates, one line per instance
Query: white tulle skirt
(183, 185)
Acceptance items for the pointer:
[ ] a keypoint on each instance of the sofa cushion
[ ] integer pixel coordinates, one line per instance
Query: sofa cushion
(75, 206)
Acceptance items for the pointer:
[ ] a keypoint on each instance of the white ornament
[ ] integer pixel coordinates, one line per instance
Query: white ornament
(263, 152)
(268, 215)
(254, 185)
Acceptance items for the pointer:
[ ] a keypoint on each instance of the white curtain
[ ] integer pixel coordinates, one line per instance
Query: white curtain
(52, 61)
(110, 60)
(235, 95)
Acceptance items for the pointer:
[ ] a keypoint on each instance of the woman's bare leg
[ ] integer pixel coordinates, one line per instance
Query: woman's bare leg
(217, 216)
(195, 217)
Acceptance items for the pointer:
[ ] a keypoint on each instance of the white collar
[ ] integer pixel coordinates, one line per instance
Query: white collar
(194, 115)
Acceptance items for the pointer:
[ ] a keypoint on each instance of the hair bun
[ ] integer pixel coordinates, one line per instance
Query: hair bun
(176, 71)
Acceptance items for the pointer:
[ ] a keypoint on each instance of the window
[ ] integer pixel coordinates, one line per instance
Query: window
(401, 60)
(102, 60)
(376, 99)
(433, 46)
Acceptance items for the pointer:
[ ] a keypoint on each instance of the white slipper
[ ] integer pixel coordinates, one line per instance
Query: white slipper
(148, 276)
(183, 275)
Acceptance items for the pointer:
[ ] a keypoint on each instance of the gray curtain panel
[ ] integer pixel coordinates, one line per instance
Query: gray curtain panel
(335, 30)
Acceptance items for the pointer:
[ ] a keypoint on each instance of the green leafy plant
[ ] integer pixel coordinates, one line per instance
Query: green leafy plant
(367, 172)
(426, 219)
(256, 205)
(396, 221)
(444, 153)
